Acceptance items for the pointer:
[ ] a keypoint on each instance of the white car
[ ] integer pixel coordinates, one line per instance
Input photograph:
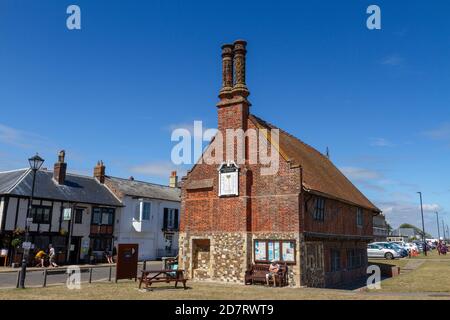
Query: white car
(377, 251)
(411, 246)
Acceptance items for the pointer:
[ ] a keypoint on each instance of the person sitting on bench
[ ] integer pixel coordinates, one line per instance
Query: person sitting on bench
(273, 270)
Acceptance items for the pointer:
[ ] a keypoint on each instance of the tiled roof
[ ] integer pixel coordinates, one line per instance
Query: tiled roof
(319, 173)
(77, 188)
(143, 189)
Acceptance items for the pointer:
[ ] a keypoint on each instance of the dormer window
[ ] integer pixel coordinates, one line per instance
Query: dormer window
(228, 179)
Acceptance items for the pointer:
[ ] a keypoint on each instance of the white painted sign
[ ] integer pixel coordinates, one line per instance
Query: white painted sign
(26, 245)
(67, 214)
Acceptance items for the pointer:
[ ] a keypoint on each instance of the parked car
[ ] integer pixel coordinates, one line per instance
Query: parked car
(377, 251)
(393, 246)
(411, 246)
(403, 251)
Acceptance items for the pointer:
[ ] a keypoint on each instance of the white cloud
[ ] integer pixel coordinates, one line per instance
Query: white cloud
(440, 133)
(381, 142)
(360, 174)
(18, 138)
(392, 60)
(157, 169)
(398, 212)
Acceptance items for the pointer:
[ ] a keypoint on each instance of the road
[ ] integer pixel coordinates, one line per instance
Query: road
(35, 278)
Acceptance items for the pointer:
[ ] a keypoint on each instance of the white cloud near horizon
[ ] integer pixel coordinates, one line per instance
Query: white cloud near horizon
(159, 169)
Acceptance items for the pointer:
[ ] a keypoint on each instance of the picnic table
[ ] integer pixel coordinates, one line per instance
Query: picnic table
(167, 275)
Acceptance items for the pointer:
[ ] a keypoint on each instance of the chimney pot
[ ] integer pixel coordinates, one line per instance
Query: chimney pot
(60, 168)
(240, 51)
(173, 180)
(99, 172)
(227, 70)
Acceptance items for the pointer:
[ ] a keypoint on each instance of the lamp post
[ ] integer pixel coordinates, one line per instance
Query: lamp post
(423, 225)
(437, 220)
(35, 164)
(443, 228)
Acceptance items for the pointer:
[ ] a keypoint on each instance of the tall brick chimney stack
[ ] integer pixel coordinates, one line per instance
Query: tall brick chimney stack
(173, 180)
(240, 50)
(233, 107)
(60, 168)
(99, 172)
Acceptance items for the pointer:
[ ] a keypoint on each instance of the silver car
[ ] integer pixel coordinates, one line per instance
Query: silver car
(377, 251)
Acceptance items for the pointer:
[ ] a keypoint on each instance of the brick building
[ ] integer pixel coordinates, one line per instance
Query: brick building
(307, 214)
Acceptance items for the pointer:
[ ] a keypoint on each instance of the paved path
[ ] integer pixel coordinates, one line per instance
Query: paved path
(35, 276)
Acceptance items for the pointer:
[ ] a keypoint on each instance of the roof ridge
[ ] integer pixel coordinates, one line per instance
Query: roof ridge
(14, 170)
(19, 180)
(141, 181)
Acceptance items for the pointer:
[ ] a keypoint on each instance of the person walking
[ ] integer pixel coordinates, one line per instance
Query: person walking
(39, 257)
(52, 256)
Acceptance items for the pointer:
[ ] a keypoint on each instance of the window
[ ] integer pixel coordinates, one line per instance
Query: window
(78, 216)
(279, 250)
(228, 180)
(146, 209)
(319, 209)
(101, 244)
(359, 217)
(103, 216)
(170, 219)
(41, 214)
(355, 258)
(335, 260)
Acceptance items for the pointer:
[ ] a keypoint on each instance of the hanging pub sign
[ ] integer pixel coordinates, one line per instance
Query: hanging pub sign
(67, 214)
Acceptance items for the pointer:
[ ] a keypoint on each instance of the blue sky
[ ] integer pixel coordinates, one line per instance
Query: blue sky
(114, 89)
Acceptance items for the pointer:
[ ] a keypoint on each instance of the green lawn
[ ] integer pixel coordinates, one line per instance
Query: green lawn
(432, 276)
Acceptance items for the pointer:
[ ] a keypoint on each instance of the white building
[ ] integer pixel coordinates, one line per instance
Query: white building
(150, 216)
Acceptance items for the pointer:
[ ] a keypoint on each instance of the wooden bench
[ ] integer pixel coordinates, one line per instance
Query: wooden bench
(257, 274)
(153, 276)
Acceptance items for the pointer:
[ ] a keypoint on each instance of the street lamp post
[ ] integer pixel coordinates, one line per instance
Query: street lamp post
(423, 225)
(35, 164)
(443, 228)
(437, 220)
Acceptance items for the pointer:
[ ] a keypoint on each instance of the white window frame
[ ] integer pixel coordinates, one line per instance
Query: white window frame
(171, 218)
(142, 204)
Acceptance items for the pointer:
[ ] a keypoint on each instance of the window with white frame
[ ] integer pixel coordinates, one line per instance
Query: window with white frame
(228, 179)
(170, 222)
(146, 210)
